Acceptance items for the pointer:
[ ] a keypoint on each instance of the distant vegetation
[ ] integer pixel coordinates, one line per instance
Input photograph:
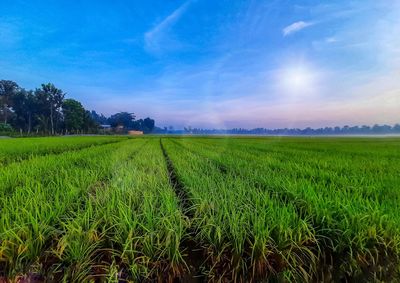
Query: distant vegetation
(346, 130)
(46, 111)
(125, 120)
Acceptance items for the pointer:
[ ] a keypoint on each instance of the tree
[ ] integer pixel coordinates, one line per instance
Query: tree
(24, 107)
(7, 91)
(74, 115)
(100, 119)
(5, 128)
(148, 125)
(89, 123)
(365, 129)
(123, 119)
(51, 99)
(396, 128)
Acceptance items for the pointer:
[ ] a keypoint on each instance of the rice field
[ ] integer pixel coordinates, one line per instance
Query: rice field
(199, 209)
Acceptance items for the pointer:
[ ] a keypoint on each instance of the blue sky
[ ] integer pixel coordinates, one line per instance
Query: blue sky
(207, 63)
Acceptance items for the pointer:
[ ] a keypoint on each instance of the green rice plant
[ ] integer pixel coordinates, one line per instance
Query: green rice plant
(45, 190)
(143, 217)
(252, 209)
(12, 150)
(246, 231)
(82, 239)
(352, 215)
(132, 227)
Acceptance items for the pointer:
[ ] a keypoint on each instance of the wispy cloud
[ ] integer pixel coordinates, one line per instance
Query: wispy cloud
(331, 39)
(295, 27)
(154, 37)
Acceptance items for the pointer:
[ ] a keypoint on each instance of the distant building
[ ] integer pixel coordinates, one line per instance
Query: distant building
(135, 133)
(105, 127)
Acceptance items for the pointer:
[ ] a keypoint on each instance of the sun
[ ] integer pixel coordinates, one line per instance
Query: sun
(298, 79)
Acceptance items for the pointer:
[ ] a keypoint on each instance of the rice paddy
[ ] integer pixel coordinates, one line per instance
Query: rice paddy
(198, 209)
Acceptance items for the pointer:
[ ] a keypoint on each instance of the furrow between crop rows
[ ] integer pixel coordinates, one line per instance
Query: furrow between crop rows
(194, 256)
(177, 185)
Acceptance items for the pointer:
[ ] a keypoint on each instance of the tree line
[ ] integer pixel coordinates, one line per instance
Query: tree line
(126, 121)
(45, 110)
(346, 130)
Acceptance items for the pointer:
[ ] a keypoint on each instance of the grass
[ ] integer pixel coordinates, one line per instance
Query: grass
(12, 150)
(244, 209)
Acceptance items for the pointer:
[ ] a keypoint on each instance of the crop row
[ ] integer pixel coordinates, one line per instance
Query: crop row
(37, 195)
(131, 228)
(19, 149)
(245, 232)
(349, 203)
(108, 211)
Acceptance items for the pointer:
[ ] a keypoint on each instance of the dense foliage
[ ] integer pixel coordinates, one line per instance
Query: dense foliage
(46, 111)
(222, 209)
(126, 121)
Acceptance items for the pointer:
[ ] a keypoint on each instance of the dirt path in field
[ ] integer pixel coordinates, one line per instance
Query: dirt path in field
(193, 254)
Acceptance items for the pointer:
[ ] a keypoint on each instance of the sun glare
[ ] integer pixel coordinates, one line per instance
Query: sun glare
(297, 79)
